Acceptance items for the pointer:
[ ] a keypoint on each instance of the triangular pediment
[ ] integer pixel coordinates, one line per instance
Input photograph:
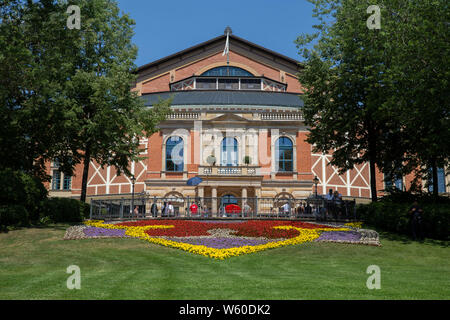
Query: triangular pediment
(229, 117)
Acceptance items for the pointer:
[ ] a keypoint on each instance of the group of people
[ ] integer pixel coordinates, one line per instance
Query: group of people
(334, 204)
(198, 210)
(167, 210)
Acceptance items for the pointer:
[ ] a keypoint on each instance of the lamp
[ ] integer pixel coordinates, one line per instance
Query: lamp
(316, 181)
(133, 180)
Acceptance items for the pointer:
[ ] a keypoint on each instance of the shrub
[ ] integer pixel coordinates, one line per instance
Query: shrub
(19, 188)
(394, 217)
(13, 215)
(64, 210)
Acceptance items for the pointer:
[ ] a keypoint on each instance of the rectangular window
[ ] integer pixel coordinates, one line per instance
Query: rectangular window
(228, 84)
(399, 183)
(206, 84)
(67, 182)
(56, 180)
(56, 163)
(250, 84)
(441, 180)
(390, 182)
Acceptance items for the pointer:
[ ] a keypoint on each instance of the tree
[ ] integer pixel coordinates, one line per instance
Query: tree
(379, 95)
(420, 78)
(66, 93)
(109, 116)
(343, 77)
(33, 68)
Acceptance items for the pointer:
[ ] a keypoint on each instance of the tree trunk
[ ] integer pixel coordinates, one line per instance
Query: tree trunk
(86, 163)
(373, 181)
(372, 146)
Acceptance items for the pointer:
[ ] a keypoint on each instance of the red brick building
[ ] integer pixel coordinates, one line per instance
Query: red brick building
(237, 123)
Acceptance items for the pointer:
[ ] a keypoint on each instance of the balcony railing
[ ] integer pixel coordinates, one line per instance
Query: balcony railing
(228, 171)
(282, 116)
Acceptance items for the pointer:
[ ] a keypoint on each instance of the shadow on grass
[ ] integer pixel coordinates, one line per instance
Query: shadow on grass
(408, 239)
(57, 226)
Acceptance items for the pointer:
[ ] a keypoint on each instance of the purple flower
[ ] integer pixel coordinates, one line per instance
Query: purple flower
(221, 243)
(103, 232)
(340, 236)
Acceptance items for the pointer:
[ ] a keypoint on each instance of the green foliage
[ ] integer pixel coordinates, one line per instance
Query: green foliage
(12, 189)
(64, 210)
(379, 95)
(399, 196)
(19, 188)
(13, 215)
(108, 117)
(391, 215)
(67, 93)
(34, 64)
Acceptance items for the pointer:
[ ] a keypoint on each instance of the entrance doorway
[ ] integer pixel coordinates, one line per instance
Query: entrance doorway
(229, 199)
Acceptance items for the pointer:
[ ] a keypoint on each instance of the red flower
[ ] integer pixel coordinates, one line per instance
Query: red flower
(249, 228)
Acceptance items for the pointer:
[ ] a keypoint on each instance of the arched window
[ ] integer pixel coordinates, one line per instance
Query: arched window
(174, 154)
(227, 71)
(284, 155)
(229, 152)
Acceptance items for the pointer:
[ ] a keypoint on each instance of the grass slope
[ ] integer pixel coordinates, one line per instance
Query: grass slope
(33, 265)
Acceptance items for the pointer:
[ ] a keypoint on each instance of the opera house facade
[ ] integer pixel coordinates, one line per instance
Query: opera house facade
(236, 125)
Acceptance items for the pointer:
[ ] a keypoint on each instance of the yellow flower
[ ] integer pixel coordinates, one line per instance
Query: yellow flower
(305, 235)
(356, 225)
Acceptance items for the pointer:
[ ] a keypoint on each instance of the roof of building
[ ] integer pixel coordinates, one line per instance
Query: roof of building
(226, 97)
(221, 38)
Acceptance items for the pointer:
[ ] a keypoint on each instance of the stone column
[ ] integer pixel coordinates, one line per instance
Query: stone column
(214, 200)
(244, 199)
(257, 200)
(200, 195)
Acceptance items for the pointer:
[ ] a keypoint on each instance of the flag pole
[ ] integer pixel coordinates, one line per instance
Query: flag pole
(227, 46)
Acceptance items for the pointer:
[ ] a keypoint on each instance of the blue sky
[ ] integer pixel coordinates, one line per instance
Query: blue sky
(166, 27)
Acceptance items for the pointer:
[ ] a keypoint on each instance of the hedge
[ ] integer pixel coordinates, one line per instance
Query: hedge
(19, 188)
(65, 210)
(13, 215)
(394, 217)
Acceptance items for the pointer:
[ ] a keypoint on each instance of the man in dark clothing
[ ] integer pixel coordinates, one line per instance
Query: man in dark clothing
(416, 221)
(154, 210)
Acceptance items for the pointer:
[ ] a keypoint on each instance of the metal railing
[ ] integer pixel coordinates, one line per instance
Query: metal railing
(144, 207)
(229, 171)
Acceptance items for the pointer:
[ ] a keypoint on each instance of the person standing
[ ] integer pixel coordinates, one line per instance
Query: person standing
(170, 209)
(193, 209)
(164, 209)
(416, 221)
(247, 210)
(286, 209)
(330, 196)
(154, 210)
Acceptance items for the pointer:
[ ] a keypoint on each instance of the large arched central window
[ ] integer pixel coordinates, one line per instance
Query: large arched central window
(174, 154)
(284, 155)
(227, 71)
(229, 149)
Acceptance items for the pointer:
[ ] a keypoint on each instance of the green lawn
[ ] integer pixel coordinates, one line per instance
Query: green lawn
(33, 265)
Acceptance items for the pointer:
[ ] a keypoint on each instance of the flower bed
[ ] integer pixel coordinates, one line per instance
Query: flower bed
(223, 239)
(251, 228)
